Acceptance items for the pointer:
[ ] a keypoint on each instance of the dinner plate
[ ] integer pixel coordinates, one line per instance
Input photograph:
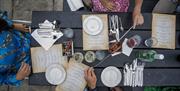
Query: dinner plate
(93, 25)
(111, 76)
(55, 74)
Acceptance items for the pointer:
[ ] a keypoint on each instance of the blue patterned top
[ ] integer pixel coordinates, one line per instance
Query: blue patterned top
(14, 49)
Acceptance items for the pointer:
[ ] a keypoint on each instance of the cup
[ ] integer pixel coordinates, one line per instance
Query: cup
(90, 56)
(151, 42)
(134, 41)
(100, 55)
(78, 57)
(68, 33)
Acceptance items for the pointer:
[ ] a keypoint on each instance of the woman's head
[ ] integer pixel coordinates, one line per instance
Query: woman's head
(3, 24)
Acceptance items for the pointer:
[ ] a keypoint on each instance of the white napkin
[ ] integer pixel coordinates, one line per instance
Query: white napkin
(47, 42)
(46, 24)
(75, 4)
(125, 48)
(45, 39)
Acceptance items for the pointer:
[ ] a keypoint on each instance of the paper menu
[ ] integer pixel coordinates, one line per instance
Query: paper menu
(164, 30)
(41, 58)
(75, 77)
(100, 41)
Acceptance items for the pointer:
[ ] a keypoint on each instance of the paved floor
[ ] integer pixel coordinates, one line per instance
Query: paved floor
(26, 87)
(22, 9)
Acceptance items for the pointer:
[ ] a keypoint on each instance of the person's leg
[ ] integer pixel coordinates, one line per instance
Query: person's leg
(165, 6)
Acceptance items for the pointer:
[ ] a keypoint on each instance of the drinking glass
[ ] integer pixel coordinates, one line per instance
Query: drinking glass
(134, 41)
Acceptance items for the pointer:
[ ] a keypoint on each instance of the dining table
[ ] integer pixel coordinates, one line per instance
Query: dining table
(158, 73)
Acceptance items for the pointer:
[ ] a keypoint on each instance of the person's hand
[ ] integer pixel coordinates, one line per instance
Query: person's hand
(138, 19)
(23, 72)
(21, 27)
(108, 4)
(90, 77)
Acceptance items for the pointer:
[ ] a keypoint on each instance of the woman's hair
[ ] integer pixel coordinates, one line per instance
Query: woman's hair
(3, 24)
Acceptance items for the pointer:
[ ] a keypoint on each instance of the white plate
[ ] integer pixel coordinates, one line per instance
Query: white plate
(93, 25)
(111, 76)
(55, 74)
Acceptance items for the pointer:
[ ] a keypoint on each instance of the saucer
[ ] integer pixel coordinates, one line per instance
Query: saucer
(111, 76)
(55, 74)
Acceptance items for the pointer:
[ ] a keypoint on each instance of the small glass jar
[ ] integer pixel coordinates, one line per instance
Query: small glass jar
(100, 55)
(90, 56)
(151, 42)
(134, 41)
(68, 33)
(78, 57)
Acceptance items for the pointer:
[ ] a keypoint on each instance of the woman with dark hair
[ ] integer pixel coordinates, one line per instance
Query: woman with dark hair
(14, 51)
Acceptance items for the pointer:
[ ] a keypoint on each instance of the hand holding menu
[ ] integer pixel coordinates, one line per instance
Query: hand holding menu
(75, 77)
(164, 30)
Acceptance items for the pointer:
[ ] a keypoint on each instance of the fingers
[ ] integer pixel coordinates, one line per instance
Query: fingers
(26, 29)
(141, 20)
(93, 74)
(89, 71)
(25, 68)
(135, 22)
(138, 20)
(29, 71)
(86, 73)
(89, 74)
(22, 65)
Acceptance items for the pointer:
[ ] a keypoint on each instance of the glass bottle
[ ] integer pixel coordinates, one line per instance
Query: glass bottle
(149, 55)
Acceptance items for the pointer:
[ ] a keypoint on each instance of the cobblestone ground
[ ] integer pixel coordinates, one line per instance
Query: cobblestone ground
(22, 10)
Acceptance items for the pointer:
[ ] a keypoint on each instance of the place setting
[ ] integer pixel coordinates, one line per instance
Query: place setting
(103, 38)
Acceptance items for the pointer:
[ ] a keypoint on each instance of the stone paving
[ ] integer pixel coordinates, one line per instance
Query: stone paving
(22, 10)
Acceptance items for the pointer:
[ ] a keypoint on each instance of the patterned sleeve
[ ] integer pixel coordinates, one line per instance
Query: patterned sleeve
(9, 80)
(5, 17)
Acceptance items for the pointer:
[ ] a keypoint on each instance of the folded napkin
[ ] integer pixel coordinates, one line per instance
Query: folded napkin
(45, 35)
(75, 4)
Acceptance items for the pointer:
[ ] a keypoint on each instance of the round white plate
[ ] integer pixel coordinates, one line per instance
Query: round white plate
(55, 74)
(111, 76)
(93, 25)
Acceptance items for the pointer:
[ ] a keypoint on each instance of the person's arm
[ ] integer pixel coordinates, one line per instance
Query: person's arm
(20, 27)
(138, 5)
(16, 26)
(138, 19)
